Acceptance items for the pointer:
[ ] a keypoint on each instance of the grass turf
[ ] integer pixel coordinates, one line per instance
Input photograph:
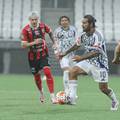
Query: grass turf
(19, 100)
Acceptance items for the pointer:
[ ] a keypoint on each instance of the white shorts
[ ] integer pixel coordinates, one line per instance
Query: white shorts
(98, 74)
(67, 62)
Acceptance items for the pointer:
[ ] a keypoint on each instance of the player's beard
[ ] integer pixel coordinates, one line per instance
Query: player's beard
(86, 29)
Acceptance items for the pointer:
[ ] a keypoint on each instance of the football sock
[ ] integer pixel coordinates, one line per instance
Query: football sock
(52, 95)
(49, 79)
(112, 95)
(38, 82)
(73, 90)
(66, 80)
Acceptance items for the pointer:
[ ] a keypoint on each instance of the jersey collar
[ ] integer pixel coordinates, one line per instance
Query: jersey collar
(34, 27)
(65, 29)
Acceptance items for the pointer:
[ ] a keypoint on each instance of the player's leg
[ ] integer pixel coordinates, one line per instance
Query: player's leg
(50, 83)
(44, 65)
(66, 79)
(38, 82)
(37, 78)
(101, 75)
(80, 68)
(73, 74)
(49, 78)
(110, 93)
(64, 63)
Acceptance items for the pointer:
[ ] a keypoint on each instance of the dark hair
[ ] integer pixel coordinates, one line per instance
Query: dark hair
(91, 19)
(62, 18)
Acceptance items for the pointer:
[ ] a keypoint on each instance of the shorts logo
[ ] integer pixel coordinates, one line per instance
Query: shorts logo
(33, 70)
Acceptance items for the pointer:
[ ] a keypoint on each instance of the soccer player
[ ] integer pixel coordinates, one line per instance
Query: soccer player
(65, 36)
(33, 38)
(94, 61)
(116, 59)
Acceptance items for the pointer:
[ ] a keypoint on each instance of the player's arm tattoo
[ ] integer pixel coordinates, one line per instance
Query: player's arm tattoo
(73, 48)
(90, 55)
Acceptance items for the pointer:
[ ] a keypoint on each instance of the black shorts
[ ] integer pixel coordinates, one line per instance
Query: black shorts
(37, 65)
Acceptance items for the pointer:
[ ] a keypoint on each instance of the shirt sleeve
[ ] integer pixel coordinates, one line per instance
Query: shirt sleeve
(47, 29)
(24, 35)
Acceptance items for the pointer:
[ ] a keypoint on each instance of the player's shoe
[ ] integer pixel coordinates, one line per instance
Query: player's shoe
(54, 101)
(115, 105)
(69, 101)
(42, 99)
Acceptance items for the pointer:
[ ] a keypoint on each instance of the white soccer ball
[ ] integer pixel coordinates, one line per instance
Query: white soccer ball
(61, 97)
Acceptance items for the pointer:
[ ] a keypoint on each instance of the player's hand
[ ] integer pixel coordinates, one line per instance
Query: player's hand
(116, 61)
(77, 58)
(61, 55)
(37, 41)
(78, 41)
(54, 46)
(57, 55)
(24, 44)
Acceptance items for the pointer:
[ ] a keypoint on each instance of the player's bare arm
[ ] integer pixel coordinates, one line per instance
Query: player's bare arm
(26, 44)
(116, 59)
(73, 48)
(53, 40)
(89, 55)
(51, 37)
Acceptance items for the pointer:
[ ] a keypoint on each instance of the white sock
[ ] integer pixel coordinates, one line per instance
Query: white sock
(66, 80)
(73, 91)
(112, 95)
(52, 95)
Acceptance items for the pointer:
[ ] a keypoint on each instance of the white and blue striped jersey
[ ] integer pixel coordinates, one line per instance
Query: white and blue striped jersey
(65, 38)
(95, 42)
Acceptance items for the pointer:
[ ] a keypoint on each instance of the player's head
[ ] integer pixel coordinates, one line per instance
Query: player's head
(64, 21)
(88, 23)
(33, 18)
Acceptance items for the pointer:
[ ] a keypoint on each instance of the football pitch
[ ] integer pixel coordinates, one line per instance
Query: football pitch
(19, 100)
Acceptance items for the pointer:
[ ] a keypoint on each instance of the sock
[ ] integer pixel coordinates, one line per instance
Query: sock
(73, 91)
(49, 79)
(66, 80)
(38, 82)
(112, 96)
(52, 95)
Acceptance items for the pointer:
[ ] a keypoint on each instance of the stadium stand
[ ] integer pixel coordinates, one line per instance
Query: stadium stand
(117, 19)
(13, 16)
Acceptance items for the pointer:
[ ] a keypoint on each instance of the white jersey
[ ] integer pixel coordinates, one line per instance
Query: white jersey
(65, 38)
(95, 42)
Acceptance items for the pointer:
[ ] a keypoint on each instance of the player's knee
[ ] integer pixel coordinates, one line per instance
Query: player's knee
(36, 76)
(104, 90)
(47, 71)
(73, 72)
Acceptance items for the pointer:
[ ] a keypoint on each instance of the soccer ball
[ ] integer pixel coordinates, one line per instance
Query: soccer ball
(61, 97)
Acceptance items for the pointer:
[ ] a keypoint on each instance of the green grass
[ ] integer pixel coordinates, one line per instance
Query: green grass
(19, 100)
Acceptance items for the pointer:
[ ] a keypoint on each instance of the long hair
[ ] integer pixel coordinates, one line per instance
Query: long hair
(91, 20)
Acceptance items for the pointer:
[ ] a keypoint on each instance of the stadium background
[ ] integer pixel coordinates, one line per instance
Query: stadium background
(14, 13)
